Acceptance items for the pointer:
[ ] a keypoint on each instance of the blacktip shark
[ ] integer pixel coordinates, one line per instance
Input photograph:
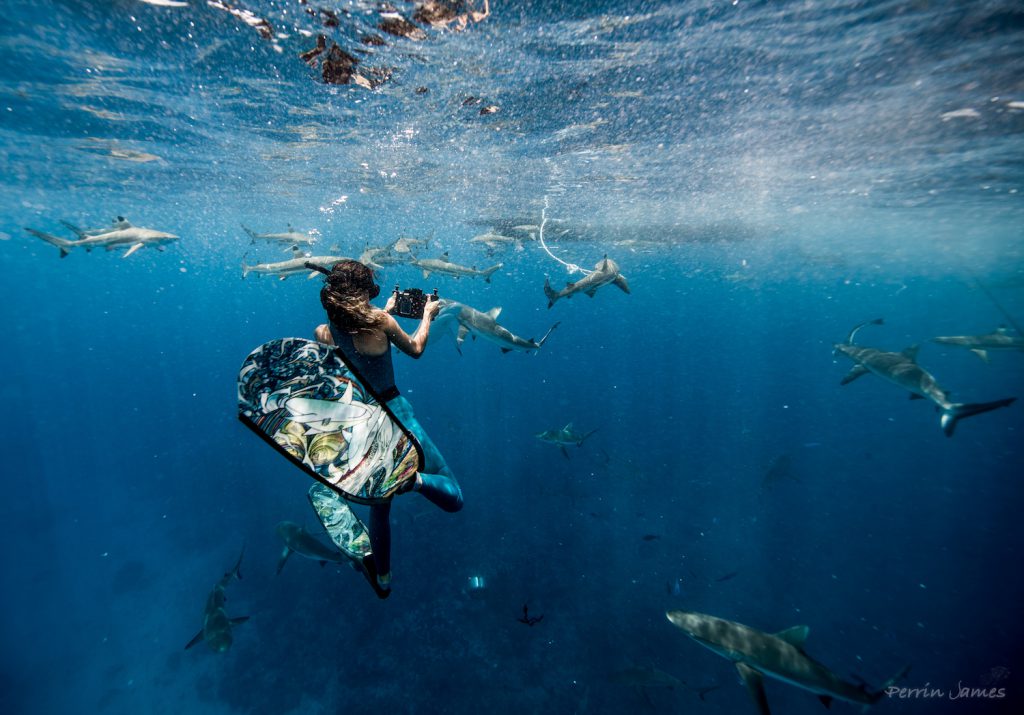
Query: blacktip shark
(216, 630)
(121, 235)
(477, 324)
(299, 541)
(291, 237)
(999, 339)
(494, 241)
(446, 267)
(293, 266)
(377, 257)
(564, 436)
(780, 656)
(606, 271)
(902, 370)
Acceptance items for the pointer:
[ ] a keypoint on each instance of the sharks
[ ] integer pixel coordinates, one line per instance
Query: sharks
(780, 656)
(299, 541)
(999, 339)
(902, 370)
(606, 271)
(476, 324)
(446, 267)
(291, 237)
(216, 630)
(121, 234)
(494, 241)
(563, 437)
(283, 269)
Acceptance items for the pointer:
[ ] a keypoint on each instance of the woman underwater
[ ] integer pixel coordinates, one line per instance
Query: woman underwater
(365, 334)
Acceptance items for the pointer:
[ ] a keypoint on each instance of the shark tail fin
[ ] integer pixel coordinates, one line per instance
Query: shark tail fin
(853, 333)
(584, 437)
(236, 572)
(548, 334)
(882, 692)
(958, 411)
(62, 243)
(550, 292)
(252, 234)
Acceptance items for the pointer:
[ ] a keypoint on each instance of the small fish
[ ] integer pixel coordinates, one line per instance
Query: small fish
(650, 537)
(727, 577)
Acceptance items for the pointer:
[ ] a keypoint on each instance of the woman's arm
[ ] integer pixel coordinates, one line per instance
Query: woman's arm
(415, 345)
(323, 334)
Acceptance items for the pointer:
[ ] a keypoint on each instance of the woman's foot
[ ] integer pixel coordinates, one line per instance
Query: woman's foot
(381, 584)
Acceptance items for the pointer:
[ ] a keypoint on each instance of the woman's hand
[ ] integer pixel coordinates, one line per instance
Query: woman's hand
(431, 308)
(390, 305)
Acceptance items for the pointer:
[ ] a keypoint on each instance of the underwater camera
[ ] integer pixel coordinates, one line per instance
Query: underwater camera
(409, 303)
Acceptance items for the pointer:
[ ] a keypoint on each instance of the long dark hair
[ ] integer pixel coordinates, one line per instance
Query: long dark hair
(345, 294)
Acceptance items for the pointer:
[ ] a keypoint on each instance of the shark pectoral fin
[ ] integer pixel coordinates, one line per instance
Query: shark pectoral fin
(565, 452)
(505, 350)
(620, 281)
(461, 335)
(426, 274)
(826, 701)
(198, 637)
(755, 686)
(980, 353)
(284, 558)
(855, 372)
(915, 396)
(131, 250)
(240, 619)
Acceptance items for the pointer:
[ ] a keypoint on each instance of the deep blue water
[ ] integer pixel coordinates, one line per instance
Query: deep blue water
(766, 174)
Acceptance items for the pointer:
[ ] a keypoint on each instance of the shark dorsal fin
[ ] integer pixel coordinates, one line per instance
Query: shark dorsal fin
(494, 312)
(567, 428)
(795, 636)
(911, 352)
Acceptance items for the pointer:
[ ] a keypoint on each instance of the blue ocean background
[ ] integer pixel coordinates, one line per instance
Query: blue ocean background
(766, 174)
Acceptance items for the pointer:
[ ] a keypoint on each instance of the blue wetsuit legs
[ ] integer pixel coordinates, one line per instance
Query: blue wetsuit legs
(438, 483)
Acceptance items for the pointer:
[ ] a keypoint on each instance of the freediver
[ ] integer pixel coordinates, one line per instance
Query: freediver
(365, 334)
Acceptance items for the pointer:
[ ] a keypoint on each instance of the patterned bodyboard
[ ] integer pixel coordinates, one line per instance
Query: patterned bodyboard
(302, 398)
(343, 526)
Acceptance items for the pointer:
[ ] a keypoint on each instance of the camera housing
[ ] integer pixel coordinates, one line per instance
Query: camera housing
(409, 303)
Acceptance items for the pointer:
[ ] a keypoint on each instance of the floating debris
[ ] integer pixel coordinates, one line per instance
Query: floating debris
(965, 113)
(489, 109)
(309, 56)
(339, 66)
(441, 13)
(261, 25)
(373, 40)
(330, 18)
(394, 24)
(422, 90)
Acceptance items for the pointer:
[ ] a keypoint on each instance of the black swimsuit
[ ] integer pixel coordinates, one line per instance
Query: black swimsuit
(377, 370)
